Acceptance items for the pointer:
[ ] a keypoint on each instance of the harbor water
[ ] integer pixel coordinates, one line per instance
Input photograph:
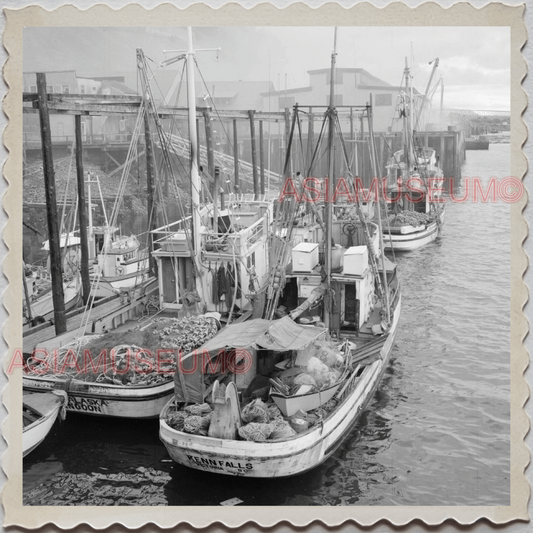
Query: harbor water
(436, 433)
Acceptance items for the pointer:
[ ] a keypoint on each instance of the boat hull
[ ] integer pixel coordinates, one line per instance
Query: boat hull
(414, 240)
(285, 458)
(107, 400)
(34, 434)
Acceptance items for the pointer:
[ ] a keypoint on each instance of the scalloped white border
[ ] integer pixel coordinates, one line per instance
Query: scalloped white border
(233, 14)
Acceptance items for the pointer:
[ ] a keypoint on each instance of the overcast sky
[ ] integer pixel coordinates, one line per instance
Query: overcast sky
(474, 61)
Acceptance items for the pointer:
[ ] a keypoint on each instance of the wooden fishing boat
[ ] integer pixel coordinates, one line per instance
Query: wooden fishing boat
(38, 304)
(39, 412)
(316, 376)
(414, 186)
(120, 265)
(106, 399)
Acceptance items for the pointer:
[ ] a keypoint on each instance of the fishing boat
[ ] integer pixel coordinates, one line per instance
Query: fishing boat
(39, 412)
(414, 186)
(276, 395)
(38, 305)
(214, 264)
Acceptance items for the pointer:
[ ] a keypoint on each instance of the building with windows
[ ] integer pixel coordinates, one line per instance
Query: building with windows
(353, 86)
(95, 129)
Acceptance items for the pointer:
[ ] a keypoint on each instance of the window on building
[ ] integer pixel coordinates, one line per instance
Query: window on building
(49, 88)
(82, 89)
(337, 100)
(33, 88)
(338, 78)
(65, 89)
(384, 99)
(94, 89)
(58, 89)
(286, 101)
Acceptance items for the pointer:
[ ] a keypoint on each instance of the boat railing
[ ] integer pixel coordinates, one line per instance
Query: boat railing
(237, 242)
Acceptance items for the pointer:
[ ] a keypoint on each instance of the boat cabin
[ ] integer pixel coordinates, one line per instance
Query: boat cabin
(234, 256)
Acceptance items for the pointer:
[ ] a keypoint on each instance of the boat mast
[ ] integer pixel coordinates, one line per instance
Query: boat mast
(329, 184)
(195, 174)
(376, 172)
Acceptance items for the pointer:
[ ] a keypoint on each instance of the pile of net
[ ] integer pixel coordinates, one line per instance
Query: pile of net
(263, 423)
(194, 419)
(130, 358)
(409, 218)
(322, 365)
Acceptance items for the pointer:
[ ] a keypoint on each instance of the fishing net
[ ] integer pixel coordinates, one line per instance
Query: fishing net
(281, 430)
(197, 425)
(199, 409)
(304, 379)
(255, 411)
(130, 358)
(274, 413)
(255, 432)
(177, 420)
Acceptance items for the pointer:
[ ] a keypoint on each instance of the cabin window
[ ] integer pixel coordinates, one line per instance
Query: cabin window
(384, 99)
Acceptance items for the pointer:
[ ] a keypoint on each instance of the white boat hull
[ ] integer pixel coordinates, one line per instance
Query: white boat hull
(414, 240)
(107, 400)
(44, 306)
(289, 457)
(35, 433)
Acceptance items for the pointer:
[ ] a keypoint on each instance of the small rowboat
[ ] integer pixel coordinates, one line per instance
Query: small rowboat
(39, 412)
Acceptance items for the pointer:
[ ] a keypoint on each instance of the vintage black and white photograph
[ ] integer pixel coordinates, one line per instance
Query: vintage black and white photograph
(266, 266)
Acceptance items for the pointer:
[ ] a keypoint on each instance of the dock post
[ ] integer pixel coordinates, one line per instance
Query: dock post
(287, 136)
(237, 186)
(254, 154)
(261, 158)
(56, 270)
(82, 216)
(151, 206)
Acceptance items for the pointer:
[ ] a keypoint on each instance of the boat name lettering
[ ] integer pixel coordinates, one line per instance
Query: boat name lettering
(89, 405)
(215, 464)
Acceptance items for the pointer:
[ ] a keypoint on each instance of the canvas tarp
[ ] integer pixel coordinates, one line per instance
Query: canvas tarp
(285, 334)
(277, 335)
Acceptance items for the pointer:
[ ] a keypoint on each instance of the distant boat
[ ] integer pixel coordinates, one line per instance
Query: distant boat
(414, 187)
(39, 412)
(416, 219)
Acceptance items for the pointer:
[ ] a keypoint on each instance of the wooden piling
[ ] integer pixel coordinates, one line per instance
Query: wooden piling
(310, 140)
(237, 186)
(261, 158)
(287, 136)
(150, 190)
(56, 269)
(254, 154)
(82, 215)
